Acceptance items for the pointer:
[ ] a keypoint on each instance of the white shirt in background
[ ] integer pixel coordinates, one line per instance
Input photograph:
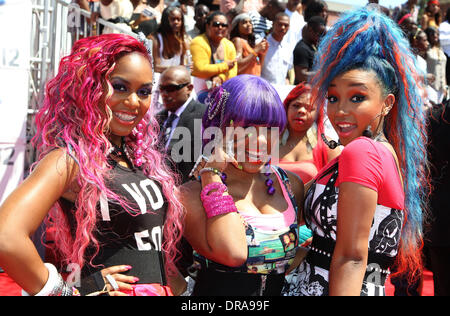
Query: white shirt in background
(277, 62)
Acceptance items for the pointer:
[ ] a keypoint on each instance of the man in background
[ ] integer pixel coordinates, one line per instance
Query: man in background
(181, 110)
(278, 58)
(263, 20)
(306, 48)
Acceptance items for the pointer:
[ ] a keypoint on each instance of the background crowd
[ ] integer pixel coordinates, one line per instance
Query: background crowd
(273, 39)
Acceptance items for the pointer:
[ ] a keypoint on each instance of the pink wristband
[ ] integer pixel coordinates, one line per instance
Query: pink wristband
(216, 203)
(206, 191)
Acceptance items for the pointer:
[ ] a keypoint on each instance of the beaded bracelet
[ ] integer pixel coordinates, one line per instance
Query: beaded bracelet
(215, 203)
(213, 170)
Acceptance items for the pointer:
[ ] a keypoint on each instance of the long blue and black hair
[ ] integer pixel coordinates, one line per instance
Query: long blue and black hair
(367, 39)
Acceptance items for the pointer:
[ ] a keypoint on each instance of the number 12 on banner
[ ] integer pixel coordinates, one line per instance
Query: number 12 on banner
(9, 57)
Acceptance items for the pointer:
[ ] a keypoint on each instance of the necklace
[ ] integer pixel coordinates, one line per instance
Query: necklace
(117, 151)
(136, 159)
(268, 182)
(121, 153)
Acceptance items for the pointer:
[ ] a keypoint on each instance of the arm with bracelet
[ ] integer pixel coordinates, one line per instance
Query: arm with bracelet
(20, 216)
(73, 194)
(213, 226)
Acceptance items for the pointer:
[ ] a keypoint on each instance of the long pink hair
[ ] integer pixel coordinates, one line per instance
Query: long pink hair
(73, 118)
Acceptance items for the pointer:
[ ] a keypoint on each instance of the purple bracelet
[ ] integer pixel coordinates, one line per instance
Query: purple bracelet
(215, 203)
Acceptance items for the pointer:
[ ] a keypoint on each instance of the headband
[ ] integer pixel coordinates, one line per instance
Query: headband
(238, 18)
(417, 33)
(147, 44)
(434, 2)
(404, 18)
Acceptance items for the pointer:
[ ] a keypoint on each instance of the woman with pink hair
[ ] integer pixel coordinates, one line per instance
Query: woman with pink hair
(99, 181)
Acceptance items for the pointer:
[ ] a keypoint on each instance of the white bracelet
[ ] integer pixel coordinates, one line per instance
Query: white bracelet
(197, 163)
(54, 281)
(112, 281)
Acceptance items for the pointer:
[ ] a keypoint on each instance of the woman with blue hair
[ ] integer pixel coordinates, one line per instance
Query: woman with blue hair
(242, 215)
(365, 207)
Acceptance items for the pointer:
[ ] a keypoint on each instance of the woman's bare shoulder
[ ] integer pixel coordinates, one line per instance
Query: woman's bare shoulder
(190, 192)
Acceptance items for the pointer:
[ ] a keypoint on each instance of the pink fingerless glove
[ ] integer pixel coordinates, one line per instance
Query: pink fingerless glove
(215, 203)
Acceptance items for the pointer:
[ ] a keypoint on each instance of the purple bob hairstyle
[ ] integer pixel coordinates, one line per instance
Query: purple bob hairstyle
(251, 101)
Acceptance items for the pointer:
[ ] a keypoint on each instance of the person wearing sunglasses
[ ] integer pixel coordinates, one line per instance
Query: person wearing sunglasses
(180, 110)
(213, 55)
(181, 113)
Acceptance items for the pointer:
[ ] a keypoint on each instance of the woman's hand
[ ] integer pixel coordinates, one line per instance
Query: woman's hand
(216, 81)
(261, 47)
(122, 282)
(230, 63)
(300, 255)
(220, 159)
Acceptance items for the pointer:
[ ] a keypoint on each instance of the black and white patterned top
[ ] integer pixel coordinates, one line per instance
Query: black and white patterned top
(311, 277)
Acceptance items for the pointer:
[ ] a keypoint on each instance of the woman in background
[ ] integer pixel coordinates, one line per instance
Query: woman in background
(302, 150)
(170, 41)
(436, 64)
(213, 55)
(432, 16)
(250, 55)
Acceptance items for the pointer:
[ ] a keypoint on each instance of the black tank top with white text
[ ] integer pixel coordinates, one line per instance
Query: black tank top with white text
(128, 236)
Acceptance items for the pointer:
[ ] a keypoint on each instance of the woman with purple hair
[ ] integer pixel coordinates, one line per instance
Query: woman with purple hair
(243, 212)
(99, 181)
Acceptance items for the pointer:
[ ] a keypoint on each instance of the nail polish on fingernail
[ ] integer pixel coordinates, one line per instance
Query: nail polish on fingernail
(135, 280)
(128, 267)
